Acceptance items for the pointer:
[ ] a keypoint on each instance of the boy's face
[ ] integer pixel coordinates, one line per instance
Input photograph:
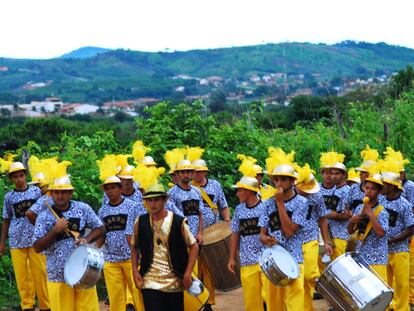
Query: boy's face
(18, 178)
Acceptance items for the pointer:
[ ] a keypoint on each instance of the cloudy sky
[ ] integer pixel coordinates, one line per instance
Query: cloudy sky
(49, 28)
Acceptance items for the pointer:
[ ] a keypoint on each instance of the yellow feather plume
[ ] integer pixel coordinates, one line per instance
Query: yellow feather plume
(304, 174)
(139, 151)
(374, 169)
(172, 157)
(247, 167)
(146, 175)
(396, 156)
(278, 157)
(194, 153)
(369, 154)
(44, 166)
(60, 169)
(108, 166)
(390, 165)
(268, 192)
(6, 162)
(352, 173)
(122, 160)
(328, 159)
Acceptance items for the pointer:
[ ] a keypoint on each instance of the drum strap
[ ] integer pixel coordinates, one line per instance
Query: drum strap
(205, 196)
(369, 226)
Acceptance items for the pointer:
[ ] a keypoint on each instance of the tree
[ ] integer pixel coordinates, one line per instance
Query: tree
(402, 82)
(217, 101)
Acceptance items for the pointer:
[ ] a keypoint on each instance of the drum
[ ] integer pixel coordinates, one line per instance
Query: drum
(215, 253)
(196, 296)
(348, 284)
(84, 266)
(279, 265)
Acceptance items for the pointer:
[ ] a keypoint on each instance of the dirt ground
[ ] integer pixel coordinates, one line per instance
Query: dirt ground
(233, 301)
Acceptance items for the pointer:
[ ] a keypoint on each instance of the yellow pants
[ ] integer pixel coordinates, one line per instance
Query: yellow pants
(118, 275)
(311, 271)
(205, 277)
(338, 248)
(252, 279)
(412, 271)
(398, 274)
(288, 298)
(381, 270)
(28, 266)
(65, 298)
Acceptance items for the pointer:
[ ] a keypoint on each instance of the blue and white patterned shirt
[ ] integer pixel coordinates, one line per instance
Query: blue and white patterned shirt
(400, 218)
(355, 196)
(190, 203)
(316, 210)
(40, 204)
(245, 222)
(16, 204)
(374, 250)
(338, 229)
(216, 194)
(408, 191)
(80, 216)
(119, 222)
(296, 208)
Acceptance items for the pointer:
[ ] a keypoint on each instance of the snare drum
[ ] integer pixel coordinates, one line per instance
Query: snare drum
(348, 284)
(279, 265)
(196, 297)
(84, 267)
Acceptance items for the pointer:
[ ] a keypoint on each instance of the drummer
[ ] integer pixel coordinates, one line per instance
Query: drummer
(160, 241)
(339, 214)
(401, 225)
(356, 192)
(370, 221)
(118, 216)
(27, 264)
(282, 223)
(245, 240)
(51, 237)
(307, 186)
(215, 203)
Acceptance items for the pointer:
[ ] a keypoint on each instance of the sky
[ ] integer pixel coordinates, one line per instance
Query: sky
(50, 28)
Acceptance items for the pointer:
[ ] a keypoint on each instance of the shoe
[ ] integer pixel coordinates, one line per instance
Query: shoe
(130, 307)
(207, 307)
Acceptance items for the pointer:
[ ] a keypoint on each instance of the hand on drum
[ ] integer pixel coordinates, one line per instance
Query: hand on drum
(61, 225)
(187, 281)
(230, 265)
(139, 282)
(267, 240)
(199, 238)
(328, 249)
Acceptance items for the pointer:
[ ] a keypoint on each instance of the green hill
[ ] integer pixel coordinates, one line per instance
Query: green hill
(129, 74)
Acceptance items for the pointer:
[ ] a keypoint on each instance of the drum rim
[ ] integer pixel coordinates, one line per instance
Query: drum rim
(286, 277)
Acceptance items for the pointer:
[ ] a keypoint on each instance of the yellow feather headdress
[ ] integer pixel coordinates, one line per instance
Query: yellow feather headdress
(369, 154)
(42, 166)
(108, 166)
(147, 175)
(247, 166)
(304, 174)
(278, 157)
(172, 157)
(353, 175)
(194, 153)
(60, 169)
(6, 162)
(328, 159)
(396, 156)
(139, 151)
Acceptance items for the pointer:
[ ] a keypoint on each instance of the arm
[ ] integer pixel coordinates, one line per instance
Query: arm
(101, 241)
(199, 236)
(353, 222)
(288, 227)
(267, 239)
(31, 216)
(403, 236)
(192, 257)
(345, 215)
(4, 235)
(376, 226)
(46, 241)
(234, 245)
(225, 214)
(323, 225)
(94, 235)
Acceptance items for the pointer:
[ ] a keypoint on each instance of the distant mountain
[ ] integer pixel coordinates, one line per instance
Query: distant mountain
(123, 74)
(85, 52)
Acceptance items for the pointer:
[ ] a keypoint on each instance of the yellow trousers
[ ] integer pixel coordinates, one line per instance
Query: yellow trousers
(28, 266)
(65, 298)
(288, 298)
(381, 270)
(412, 271)
(252, 279)
(118, 276)
(311, 271)
(338, 248)
(398, 275)
(205, 277)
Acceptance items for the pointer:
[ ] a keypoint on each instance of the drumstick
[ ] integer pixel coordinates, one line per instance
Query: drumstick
(74, 234)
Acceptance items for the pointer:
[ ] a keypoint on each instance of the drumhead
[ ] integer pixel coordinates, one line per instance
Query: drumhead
(216, 233)
(76, 265)
(284, 261)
